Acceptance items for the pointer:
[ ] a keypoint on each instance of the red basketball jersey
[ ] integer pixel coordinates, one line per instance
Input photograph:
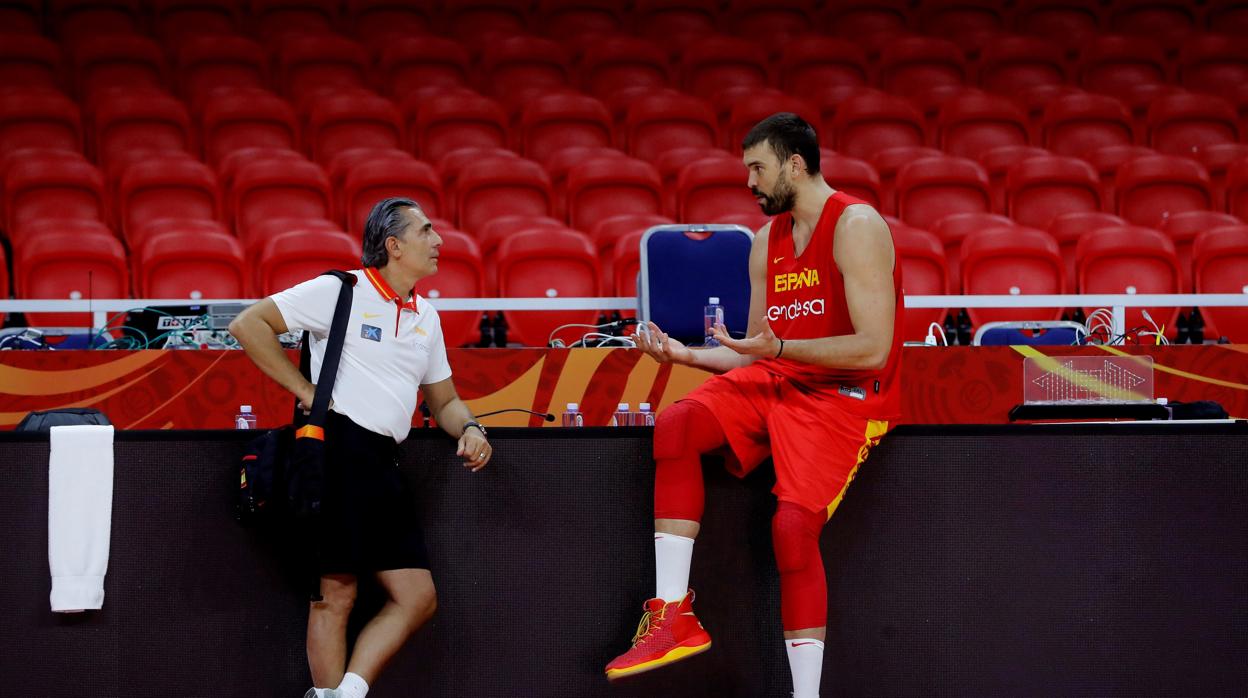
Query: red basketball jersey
(806, 300)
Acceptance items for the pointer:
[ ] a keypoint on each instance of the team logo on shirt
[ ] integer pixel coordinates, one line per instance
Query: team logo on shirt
(370, 332)
(795, 280)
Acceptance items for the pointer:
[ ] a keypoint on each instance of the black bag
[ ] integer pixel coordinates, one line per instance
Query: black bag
(66, 416)
(282, 473)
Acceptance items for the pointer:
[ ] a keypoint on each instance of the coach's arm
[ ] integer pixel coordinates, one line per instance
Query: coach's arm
(256, 329)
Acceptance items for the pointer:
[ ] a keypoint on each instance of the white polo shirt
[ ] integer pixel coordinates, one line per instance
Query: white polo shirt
(391, 347)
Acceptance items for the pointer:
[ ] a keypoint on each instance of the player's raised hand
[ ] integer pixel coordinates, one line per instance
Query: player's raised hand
(764, 344)
(659, 346)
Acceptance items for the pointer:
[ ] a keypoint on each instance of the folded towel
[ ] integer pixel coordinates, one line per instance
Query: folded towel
(80, 512)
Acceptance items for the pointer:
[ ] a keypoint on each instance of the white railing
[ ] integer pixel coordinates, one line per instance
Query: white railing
(103, 309)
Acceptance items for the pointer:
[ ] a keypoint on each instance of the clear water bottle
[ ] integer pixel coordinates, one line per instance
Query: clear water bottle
(711, 314)
(244, 419)
(572, 416)
(623, 417)
(645, 418)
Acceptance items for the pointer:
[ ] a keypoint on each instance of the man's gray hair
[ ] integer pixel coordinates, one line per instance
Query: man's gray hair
(384, 221)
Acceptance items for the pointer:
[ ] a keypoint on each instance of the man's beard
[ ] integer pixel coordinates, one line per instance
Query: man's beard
(781, 199)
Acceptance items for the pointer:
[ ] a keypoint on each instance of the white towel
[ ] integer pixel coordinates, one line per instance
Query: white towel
(80, 514)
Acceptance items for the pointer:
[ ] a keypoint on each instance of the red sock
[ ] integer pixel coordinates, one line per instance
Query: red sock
(682, 434)
(803, 586)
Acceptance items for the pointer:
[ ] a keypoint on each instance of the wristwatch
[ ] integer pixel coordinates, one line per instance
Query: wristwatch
(474, 423)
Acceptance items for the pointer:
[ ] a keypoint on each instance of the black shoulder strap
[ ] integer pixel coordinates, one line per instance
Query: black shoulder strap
(333, 352)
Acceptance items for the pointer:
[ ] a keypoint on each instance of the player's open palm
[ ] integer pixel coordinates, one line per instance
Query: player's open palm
(764, 343)
(659, 346)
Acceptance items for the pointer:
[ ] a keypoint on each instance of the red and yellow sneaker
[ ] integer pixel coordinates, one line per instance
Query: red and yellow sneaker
(668, 632)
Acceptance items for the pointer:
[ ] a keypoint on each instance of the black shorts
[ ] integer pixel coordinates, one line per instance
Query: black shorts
(368, 517)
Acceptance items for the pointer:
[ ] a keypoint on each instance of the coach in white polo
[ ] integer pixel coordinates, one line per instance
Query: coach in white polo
(393, 347)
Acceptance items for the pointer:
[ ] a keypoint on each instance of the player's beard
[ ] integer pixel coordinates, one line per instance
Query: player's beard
(780, 200)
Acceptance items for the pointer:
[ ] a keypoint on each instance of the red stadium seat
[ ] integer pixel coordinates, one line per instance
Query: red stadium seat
(548, 263)
(359, 120)
(707, 190)
(1035, 99)
(296, 256)
(1217, 158)
(886, 163)
(770, 20)
(501, 186)
(22, 17)
(127, 119)
(1008, 64)
(395, 20)
(38, 116)
(479, 19)
(1237, 189)
(870, 122)
(1179, 124)
(662, 121)
(1079, 123)
(1226, 16)
(1150, 189)
(671, 162)
(1182, 229)
(229, 166)
(932, 188)
(552, 122)
(1041, 188)
(1210, 62)
(1220, 265)
(1166, 21)
(761, 104)
(277, 19)
(495, 230)
(912, 63)
(102, 62)
(716, 62)
(269, 228)
(344, 162)
(165, 188)
(618, 62)
(445, 123)
(949, 17)
(454, 162)
(1067, 228)
(1106, 160)
(855, 19)
(605, 187)
(195, 264)
(607, 234)
(78, 20)
(30, 61)
(370, 182)
(409, 63)
(518, 68)
(306, 63)
(459, 275)
(69, 260)
(852, 176)
(178, 21)
(565, 18)
(952, 229)
(205, 63)
(626, 267)
(563, 160)
(1112, 64)
(1131, 260)
(240, 118)
(972, 123)
(924, 273)
(808, 63)
(997, 163)
(1012, 260)
(52, 189)
(267, 189)
(666, 20)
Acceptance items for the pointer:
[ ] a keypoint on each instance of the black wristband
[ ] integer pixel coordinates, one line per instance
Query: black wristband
(781, 350)
(472, 423)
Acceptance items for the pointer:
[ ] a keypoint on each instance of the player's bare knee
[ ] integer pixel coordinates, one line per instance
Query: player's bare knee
(337, 598)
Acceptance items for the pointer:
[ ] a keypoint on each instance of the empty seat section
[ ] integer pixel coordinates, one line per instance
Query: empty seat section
(1179, 124)
(52, 189)
(165, 188)
(1227, 16)
(952, 229)
(1067, 228)
(518, 68)
(746, 113)
(809, 62)
(38, 116)
(501, 186)
(1071, 23)
(192, 264)
(924, 273)
(1112, 64)
(1182, 229)
(1220, 265)
(870, 122)
(852, 176)
(410, 63)
(569, 18)
(709, 189)
(78, 20)
(392, 19)
(972, 123)
(358, 120)
(659, 122)
(177, 21)
(1167, 21)
(1210, 62)
(1013, 261)
(344, 162)
(626, 267)
(552, 122)
(769, 20)
(856, 19)
(369, 182)
(205, 63)
(22, 17)
(1131, 260)
(886, 163)
(102, 62)
(240, 118)
(1039, 189)
(619, 62)
(1237, 189)
(275, 19)
(932, 188)
(553, 263)
(997, 163)
(718, 62)
(950, 17)
(1009, 64)
(459, 275)
(1152, 188)
(294, 257)
(454, 162)
(69, 260)
(607, 233)
(445, 123)
(494, 231)
(1080, 123)
(1106, 161)
(30, 61)
(1217, 159)
(130, 119)
(481, 19)
(912, 63)
(674, 20)
(307, 63)
(604, 187)
(270, 189)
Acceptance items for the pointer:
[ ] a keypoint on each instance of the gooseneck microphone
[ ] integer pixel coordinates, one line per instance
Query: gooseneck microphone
(544, 415)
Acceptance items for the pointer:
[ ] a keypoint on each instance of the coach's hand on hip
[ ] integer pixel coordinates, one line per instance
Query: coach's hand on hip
(474, 449)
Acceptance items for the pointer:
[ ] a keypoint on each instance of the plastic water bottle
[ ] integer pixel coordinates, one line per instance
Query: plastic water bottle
(622, 417)
(244, 419)
(572, 416)
(711, 314)
(645, 418)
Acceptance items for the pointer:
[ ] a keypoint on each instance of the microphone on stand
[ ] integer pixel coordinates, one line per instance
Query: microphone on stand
(544, 415)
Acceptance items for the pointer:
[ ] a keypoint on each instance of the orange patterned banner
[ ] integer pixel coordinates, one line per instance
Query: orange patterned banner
(203, 389)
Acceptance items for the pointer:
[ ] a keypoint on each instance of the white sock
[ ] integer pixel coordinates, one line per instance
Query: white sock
(672, 555)
(806, 665)
(353, 686)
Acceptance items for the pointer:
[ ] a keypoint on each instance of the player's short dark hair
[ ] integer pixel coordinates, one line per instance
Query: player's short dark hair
(384, 221)
(787, 133)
